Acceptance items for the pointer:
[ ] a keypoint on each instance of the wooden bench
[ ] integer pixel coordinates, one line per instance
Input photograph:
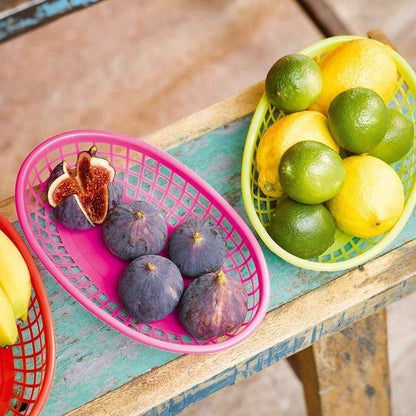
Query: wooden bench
(349, 368)
(331, 326)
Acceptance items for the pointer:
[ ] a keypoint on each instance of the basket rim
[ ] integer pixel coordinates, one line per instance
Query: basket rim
(311, 50)
(71, 137)
(46, 313)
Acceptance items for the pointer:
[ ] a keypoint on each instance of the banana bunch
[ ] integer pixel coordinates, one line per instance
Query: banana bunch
(15, 290)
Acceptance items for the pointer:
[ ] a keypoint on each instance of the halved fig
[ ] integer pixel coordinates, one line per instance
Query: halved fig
(61, 184)
(93, 171)
(72, 215)
(83, 198)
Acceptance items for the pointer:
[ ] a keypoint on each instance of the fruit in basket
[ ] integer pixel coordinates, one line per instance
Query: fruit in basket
(371, 200)
(86, 190)
(293, 83)
(197, 247)
(358, 120)
(150, 288)
(213, 305)
(284, 133)
(398, 139)
(357, 63)
(8, 328)
(14, 277)
(115, 194)
(311, 172)
(305, 231)
(71, 213)
(134, 229)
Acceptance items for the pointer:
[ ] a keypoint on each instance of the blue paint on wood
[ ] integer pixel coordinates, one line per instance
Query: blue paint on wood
(254, 365)
(93, 358)
(39, 14)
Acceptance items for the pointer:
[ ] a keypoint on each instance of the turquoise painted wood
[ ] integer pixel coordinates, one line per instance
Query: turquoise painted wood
(31, 14)
(279, 351)
(93, 358)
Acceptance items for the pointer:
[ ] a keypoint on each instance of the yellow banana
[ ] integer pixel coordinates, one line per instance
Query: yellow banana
(14, 277)
(8, 328)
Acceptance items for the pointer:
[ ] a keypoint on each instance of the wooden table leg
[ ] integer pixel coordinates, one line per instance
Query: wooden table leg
(347, 373)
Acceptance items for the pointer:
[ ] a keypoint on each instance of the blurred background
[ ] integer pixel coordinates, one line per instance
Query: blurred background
(136, 66)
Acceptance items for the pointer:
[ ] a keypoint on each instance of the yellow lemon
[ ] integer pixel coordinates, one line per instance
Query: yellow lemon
(371, 200)
(357, 63)
(284, 133)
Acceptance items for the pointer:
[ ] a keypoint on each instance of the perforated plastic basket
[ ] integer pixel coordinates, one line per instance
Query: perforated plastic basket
(82, 264)
(346, 251)
(27, 367)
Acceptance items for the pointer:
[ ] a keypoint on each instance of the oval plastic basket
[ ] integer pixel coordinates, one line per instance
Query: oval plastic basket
(82, 264)
(346, 251)
(27, 368)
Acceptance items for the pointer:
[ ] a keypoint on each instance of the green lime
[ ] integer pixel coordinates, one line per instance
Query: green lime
(294, 83)
(311, 172)
(398, 139)
(305, 231)
(358, 119)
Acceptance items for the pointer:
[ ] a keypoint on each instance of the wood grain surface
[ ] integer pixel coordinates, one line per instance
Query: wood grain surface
(216, 157)
(7, 5)
(284, 331)
(140, 379)
(347, 373)
(195, 125)
(396, 18)
(19, 16)
(324, 17)
(155, 63)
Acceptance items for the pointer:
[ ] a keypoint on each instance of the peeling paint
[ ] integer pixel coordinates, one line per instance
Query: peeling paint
(108, 359)
(38, 14)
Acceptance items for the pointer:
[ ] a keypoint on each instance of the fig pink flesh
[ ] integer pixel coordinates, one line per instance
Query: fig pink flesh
(90, 185)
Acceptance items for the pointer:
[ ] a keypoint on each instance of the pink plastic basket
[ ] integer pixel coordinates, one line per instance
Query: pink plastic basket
(82, 264)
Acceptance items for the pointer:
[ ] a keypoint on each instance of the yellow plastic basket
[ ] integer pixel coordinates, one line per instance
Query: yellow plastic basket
(346, 251)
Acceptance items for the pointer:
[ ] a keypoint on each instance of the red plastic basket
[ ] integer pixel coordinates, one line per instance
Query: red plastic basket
(27, 368)
(82, 264)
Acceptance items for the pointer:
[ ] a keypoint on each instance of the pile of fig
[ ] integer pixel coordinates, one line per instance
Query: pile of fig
(152, 285)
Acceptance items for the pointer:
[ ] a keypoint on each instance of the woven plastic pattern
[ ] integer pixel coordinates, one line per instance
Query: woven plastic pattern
(146, 174)
(347, 251)
(27, 367)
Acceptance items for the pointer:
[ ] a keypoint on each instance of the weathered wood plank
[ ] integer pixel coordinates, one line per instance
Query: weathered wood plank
(284, 331)
(380, 36)
(195, 125)
(155, 63)
(324, 17)
(216, 157)
(17, 17)
(10, 5)
(347, 373)
(397, 19)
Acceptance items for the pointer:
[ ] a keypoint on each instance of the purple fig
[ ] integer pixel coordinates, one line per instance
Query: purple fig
(115, 194)
(213, 305)
(134, 229)
(150, 288)
(197, 247)
(70, 213)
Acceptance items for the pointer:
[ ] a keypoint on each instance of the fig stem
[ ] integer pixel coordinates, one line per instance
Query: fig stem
(197, 237)
(93, 150)
(139, 213)
(221, 277)
(151, 266)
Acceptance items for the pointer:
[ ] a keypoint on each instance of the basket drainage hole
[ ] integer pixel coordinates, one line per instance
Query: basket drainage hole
(23, 406)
